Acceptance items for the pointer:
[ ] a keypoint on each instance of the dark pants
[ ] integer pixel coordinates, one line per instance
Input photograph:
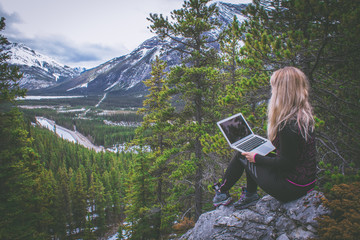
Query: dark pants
(269, 179)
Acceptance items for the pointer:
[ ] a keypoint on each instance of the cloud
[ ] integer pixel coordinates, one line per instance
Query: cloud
(60, 47)
(11, 20)
(65, 51)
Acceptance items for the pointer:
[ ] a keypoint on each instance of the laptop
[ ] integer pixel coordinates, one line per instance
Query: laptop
(240, 136)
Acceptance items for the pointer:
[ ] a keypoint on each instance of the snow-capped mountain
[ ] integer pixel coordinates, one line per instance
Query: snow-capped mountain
(39, 71)
(126, 73)
(121, 74)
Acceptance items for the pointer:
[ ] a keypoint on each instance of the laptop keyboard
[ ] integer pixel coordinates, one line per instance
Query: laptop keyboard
(251, 144)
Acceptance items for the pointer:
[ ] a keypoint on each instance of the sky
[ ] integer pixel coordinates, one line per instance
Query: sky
(83, 33)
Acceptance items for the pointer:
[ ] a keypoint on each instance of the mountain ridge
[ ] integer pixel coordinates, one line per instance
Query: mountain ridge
(39, 71)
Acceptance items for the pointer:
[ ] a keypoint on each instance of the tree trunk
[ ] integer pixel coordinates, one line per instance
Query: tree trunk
(198, 177)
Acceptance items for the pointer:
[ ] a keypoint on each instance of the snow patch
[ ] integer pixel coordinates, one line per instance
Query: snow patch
(122, 123)
(98, 104)
(56, 75)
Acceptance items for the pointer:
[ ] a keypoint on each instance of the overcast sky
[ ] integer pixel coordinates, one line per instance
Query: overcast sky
(83, 33)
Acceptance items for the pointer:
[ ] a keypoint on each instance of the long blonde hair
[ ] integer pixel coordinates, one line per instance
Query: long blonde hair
(289, 101)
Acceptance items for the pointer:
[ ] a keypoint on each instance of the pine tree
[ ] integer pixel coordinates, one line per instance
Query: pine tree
(78, 200)
(97, 204)
(46, 187)
(157, 109)
(194, 82)
(19, 171)
(63, 204)
(317, 37)
(244, 89)
(118, 176)
(140, 198)
(89, 229)
(19, 167)
(108, 198)
(230, 44)
(9, 75)
(155, 131)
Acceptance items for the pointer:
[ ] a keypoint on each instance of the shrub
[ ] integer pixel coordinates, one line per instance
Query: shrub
(184, 225)
(344, 220)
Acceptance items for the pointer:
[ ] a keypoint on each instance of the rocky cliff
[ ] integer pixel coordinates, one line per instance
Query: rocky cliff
(268, 219)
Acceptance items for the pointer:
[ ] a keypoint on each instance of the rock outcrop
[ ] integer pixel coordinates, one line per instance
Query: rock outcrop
(268, 219)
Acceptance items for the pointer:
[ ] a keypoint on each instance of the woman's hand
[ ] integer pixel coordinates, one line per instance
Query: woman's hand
(250, 156)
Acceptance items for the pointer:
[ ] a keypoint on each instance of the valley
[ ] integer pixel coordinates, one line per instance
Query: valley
(101, 129)
(64, 133)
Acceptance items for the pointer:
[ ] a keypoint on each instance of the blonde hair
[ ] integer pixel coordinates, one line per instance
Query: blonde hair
(289, 101)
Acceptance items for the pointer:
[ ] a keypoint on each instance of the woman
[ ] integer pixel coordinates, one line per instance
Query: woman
(290, 173)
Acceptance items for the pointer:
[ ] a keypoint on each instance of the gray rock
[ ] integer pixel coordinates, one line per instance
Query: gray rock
(284, 224)
(303, 211)
(283, 237)
(301, 234)
(268, 219)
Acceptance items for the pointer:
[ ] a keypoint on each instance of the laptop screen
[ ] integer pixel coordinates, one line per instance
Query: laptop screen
(235, 129)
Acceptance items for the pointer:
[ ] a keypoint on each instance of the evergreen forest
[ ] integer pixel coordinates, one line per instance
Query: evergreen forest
(54, 189)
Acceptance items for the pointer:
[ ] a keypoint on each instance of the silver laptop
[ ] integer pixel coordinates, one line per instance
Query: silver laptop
(240, 136)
